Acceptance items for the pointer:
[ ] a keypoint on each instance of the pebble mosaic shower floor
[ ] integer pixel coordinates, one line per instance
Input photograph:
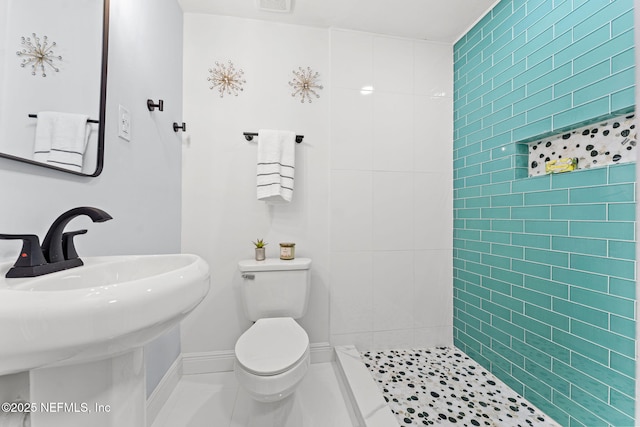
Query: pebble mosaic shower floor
(443, 386)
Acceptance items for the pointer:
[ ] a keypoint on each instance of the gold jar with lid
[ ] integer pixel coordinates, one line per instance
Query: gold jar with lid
(287, 251)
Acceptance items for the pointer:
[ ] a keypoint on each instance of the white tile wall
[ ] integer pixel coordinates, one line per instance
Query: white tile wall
(393, 289)
(433, 223)
(372, 205)
(352, 60)
(352, 292)
(391, 192)
(402, 338)
(432, 300)
(351, 118)
(433, 72)
(221, 215)
(393, 211)
(431, 337)
(433, 123)
(392, 64)
(358, 339)
(392, 131)
(351, 210)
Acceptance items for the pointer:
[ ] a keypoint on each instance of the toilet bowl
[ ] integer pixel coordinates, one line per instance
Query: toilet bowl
(272, 357)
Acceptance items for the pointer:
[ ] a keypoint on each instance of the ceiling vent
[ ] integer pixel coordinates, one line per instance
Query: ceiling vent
(281, 6)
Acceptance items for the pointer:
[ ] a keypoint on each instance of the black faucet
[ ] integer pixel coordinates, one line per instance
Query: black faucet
(57, 251)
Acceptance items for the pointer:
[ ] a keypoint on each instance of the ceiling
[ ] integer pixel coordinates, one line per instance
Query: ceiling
(434, 20)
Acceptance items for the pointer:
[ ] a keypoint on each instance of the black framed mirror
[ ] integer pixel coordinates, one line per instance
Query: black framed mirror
(53, 83)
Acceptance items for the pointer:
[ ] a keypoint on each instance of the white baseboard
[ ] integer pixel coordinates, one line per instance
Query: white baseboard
(222, 361)
(322, 352)
(163, 390)
(207, 362)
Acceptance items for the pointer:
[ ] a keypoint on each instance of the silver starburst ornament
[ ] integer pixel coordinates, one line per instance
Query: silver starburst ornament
(305, 84)
(226, 79)
(37, 54)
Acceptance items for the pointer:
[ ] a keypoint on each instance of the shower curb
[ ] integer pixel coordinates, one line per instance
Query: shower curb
(369, 406)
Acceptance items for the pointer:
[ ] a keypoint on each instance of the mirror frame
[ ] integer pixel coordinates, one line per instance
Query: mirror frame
(103, 105)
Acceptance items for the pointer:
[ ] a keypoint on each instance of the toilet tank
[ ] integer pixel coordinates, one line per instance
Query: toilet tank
(275, 287)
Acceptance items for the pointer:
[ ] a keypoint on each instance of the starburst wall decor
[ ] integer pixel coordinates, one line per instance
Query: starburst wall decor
(305, 83)
(226, 79)
(37, 54)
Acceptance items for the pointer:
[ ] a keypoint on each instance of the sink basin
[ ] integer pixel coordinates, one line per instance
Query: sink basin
(107, 307)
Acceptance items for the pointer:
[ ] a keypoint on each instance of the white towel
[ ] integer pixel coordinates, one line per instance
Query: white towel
(61, 139)
(276, 165)
(44, 136)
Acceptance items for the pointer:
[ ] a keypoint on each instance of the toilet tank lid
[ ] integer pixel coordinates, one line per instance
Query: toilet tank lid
(274, 264)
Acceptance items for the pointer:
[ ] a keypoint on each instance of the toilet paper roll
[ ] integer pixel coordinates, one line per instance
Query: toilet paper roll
(15, 419)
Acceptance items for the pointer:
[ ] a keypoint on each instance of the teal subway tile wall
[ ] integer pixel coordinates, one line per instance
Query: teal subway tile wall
(544, 267)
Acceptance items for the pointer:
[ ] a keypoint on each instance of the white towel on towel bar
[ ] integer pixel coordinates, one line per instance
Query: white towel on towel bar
(276, 165)
(61, 139)
(44, 136)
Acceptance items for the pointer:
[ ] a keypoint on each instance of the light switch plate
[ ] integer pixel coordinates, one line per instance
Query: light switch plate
(124, 123)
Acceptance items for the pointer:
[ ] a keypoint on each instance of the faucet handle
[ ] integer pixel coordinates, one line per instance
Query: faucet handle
(31, 254)
(68, 248)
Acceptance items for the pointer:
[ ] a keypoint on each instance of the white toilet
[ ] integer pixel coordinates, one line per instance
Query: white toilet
(272, 356)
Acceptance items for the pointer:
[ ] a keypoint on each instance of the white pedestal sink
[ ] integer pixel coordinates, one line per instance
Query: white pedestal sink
(80, 333)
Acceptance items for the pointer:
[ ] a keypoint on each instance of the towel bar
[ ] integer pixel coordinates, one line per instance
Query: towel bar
(35, 116)
(249, 136)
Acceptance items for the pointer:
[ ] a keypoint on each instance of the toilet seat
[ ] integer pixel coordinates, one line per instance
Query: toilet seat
(272, 346)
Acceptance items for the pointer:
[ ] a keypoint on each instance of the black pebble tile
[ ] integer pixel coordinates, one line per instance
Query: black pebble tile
(424, 387)
(602, 144)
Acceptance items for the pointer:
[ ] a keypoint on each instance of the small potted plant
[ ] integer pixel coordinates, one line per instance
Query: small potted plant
(260, 249)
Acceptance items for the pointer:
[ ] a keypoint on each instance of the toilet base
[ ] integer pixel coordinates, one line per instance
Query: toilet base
(273, 388)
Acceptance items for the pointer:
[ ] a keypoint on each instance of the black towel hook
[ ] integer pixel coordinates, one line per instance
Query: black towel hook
(152, 106)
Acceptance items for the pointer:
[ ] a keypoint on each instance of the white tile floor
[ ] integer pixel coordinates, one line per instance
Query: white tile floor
(216, 400)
